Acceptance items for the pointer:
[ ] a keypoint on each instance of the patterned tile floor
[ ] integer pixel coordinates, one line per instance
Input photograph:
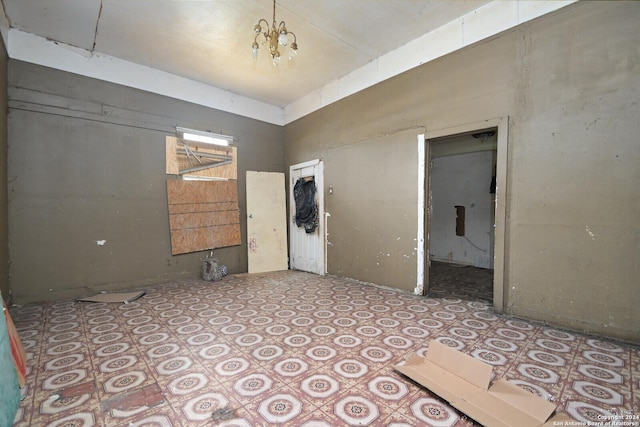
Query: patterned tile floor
(291, 348)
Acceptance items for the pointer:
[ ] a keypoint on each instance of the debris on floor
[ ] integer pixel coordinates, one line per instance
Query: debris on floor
(465, 382)
(223, 414)
(123, 297)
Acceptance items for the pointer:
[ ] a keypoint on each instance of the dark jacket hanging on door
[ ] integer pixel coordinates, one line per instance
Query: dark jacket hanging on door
(304, 193)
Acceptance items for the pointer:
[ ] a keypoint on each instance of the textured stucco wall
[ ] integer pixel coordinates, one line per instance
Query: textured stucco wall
(570, 84)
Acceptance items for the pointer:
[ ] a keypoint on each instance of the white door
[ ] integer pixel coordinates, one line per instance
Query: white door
(266, 222)
(307, 250)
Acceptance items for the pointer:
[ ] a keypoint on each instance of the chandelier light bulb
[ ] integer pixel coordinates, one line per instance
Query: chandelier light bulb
(282, 38)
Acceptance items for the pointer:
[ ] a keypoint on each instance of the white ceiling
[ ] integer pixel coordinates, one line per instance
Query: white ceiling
(209, 41)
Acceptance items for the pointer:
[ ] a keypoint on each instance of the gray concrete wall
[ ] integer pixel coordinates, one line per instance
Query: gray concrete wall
(570, 84)
(4, 222)
(87, 163)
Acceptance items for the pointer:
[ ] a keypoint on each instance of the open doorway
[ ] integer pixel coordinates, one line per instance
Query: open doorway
(462, 215)
(446, 139)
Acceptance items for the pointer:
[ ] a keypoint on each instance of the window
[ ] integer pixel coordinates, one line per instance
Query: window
(203, 195)
(202, 155)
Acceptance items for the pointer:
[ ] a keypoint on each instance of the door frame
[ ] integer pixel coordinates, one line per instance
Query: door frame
(321, 248)
(501, 124)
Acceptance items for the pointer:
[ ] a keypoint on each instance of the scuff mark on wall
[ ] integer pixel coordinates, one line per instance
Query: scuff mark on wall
(592, 123)
(590, 233)
(253, 244)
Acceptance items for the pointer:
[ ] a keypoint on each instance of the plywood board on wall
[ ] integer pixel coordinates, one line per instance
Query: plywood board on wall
(203, 215)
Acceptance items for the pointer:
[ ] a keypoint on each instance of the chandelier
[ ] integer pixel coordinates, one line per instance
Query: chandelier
(277, 35)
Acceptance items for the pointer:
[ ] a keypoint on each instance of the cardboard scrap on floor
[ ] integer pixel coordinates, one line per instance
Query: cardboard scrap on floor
(123, 297)
(465, 382)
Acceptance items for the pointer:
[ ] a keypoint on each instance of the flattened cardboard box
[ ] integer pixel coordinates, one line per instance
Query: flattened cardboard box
(465, 382)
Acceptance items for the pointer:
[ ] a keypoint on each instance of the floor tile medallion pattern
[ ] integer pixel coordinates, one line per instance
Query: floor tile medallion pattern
(291, 348)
